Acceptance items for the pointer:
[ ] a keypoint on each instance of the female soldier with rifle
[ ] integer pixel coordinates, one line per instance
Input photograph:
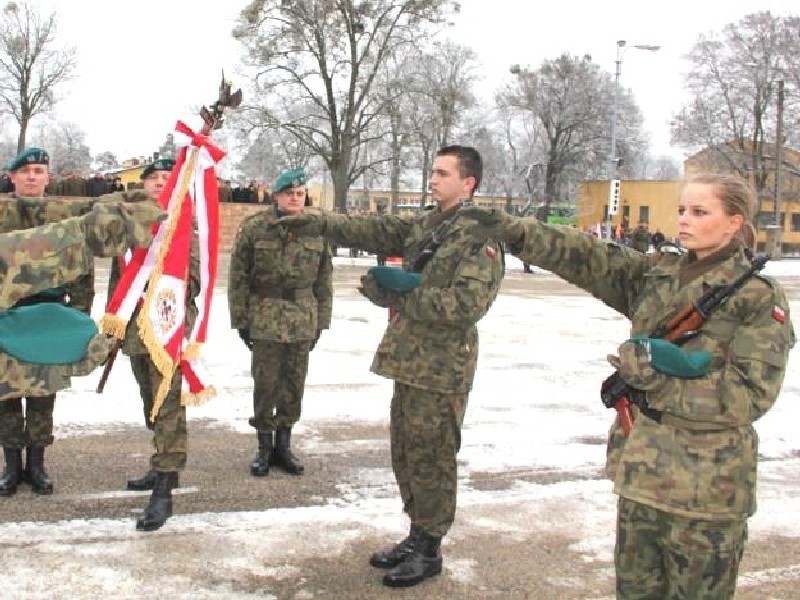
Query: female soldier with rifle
(685, 473)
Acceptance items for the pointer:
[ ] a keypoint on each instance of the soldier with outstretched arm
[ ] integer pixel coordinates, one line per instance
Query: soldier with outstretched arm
(430, 349)
(30, 425)
(686, 473)
(41, 258)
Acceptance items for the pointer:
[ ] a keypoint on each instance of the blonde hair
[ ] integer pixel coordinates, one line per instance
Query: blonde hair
(738, 198)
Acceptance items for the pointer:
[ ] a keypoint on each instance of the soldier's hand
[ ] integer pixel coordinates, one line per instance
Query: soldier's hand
(306, 224)
(634, 366)
(245, 335)
(495, 224)
(376, 294)
(111, 228)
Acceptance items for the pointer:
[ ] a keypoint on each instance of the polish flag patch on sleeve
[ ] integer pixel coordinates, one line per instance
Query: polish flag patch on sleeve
(778, 314)
(490, 251)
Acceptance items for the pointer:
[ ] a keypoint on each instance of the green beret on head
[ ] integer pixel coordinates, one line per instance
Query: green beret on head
(162, 164)
(29, 156)
(289, 179)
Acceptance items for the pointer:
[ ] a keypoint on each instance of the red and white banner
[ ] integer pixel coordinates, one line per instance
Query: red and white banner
(160, 275)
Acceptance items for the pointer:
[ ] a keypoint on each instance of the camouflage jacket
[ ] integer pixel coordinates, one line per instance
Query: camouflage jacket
(432, 343)
(267, 259)
(35, 261)
(24, 213)
(640, 239)
(702, 462)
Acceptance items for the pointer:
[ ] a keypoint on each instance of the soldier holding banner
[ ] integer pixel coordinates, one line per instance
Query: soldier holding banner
(169, 424)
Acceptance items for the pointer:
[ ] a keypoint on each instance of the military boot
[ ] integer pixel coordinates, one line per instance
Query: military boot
(391, 556)
(159, 509)
(424, 561)
(143, 483)
(34, 471)
(283, 456)
(13, 472)
(260, 465)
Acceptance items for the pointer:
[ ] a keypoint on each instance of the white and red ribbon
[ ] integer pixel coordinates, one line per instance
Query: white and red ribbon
(161, 273)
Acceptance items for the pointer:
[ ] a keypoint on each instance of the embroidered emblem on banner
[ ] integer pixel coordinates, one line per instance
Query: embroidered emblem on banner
(167, 305)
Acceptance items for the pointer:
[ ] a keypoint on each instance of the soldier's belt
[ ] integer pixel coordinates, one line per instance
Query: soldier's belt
(271, 291)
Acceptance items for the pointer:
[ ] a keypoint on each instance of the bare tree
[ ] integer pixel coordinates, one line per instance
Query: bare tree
(105, 160)
(272, 151)
(327, 54)
(443, 79)
(31, 68)
(733, 84)
(66, 144)
(568, 100)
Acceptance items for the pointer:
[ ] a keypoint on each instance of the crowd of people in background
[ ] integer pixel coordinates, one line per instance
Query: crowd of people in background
(98, 184)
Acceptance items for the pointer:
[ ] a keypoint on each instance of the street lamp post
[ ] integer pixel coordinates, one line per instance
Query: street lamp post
(613, 162)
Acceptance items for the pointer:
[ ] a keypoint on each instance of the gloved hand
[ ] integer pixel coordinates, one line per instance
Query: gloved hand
(495, 224)
(245, 335)
(646, 363)
(315, 340)
(394, 279)
(113, 227)
(376, 294)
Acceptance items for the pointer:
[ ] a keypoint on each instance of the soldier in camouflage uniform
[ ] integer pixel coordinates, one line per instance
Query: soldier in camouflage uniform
(154, 177)
(430, 347)
(169, 425)
(686, 474)
(39, 259)
(640, 238)
(280, 296)
(32, 427)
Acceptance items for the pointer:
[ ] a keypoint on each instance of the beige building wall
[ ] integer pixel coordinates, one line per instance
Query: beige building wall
(654, 202)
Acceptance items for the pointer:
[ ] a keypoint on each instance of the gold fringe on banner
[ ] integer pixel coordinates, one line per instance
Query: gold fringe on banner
(114, 326)
(190, 399)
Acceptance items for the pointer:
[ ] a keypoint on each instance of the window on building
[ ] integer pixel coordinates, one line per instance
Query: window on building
(644, 214)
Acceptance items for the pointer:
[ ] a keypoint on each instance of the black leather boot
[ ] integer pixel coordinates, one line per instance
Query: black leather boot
(391, 556)
(34, 471)
(12, 476)
(424, 561)
(159, 509)
(143, 483)
(260, 465)
(283, 452)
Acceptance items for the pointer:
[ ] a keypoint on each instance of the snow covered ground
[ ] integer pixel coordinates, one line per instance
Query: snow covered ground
(534, 411)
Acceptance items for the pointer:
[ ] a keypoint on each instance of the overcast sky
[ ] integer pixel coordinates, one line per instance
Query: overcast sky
(172, 53)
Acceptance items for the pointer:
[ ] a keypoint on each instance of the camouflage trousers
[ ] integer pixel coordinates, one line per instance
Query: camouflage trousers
(140, 365)
(426, 436)
(279, 380)
(665, 556)
(30, 427)
(169, 428)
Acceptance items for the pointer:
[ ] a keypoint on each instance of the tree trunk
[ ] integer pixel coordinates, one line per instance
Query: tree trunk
(23, 133)
(426, 157)
(340, 187)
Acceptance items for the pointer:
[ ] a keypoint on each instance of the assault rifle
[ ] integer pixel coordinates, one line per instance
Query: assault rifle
(681, 327)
